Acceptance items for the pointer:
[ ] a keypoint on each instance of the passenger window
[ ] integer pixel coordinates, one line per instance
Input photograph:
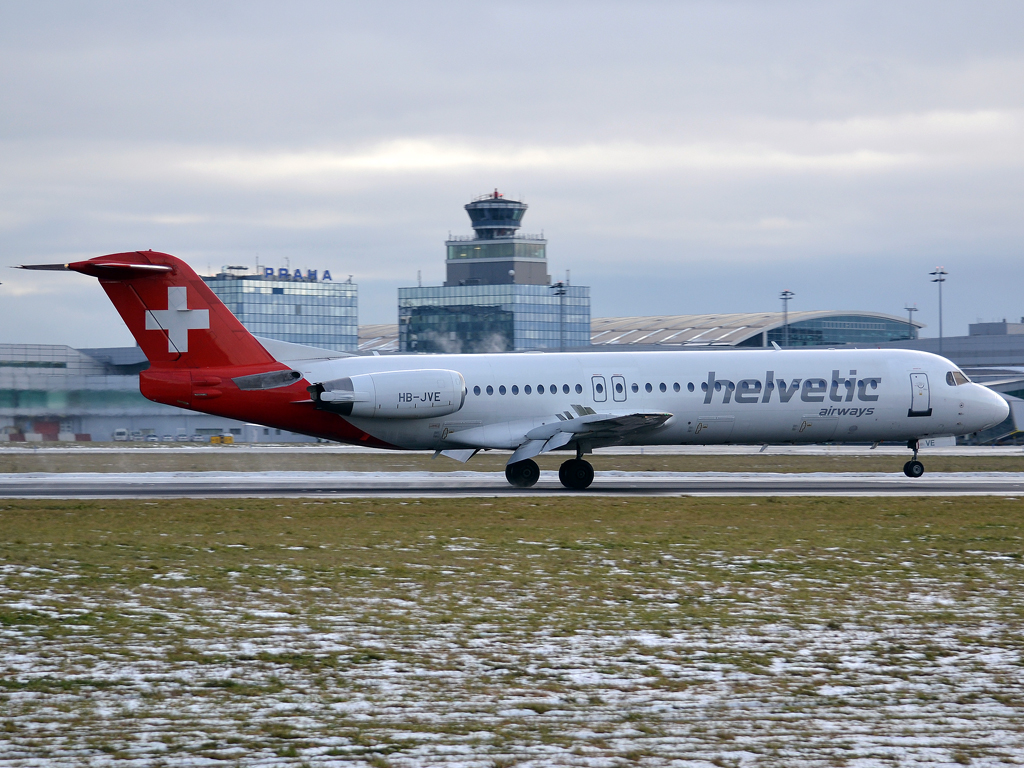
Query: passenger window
(675, 387)
(662, 386)
(565, 389)
(689, 387)
(540, 389)
(618, 388)
(515, 389)
(476, 390)
(579, 389)
(527, 389)
(648, 387)
(553, 389)
(490, 390)
(501, 389)
(635, 387)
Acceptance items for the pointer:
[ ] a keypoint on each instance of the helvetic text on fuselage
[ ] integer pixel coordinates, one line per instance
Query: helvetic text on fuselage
(812, 390)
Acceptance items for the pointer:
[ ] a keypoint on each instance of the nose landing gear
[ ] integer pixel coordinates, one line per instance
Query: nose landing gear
(913, 468)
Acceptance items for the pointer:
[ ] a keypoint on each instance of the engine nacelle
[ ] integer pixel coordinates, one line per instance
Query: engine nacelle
(393, 394)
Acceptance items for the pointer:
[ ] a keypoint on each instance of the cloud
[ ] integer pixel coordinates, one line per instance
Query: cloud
(677, 155)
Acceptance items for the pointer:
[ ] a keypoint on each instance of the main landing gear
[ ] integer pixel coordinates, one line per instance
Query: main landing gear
(913, 468)
(522, 474)
(575, 474)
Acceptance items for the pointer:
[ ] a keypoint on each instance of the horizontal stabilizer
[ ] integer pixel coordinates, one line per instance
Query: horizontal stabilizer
(46, 267)
(113, 270)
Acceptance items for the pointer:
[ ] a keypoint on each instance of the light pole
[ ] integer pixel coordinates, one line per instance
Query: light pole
(910, 320)
(786, 295)
(560, 290)
(939, 276)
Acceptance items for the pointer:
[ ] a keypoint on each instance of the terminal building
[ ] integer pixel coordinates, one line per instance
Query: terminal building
(51, 392)
(307, 308)
(717, 331)
(985, 345)
(498, 296)
(820, 328)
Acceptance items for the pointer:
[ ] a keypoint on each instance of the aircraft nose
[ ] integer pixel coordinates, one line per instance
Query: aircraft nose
(991, 408)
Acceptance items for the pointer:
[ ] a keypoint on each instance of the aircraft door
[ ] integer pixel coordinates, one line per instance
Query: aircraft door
(920, 395)
(619, 389)
(600, 389)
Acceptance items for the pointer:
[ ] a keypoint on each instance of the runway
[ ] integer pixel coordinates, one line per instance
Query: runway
(467, 484)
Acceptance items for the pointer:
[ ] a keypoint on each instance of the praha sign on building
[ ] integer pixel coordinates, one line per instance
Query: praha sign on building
(286, 274)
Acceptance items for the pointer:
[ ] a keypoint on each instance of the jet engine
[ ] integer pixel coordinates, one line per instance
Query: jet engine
(393, 394)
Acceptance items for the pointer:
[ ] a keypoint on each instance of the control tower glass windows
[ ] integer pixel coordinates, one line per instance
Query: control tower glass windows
(479, 249)
(495, 214)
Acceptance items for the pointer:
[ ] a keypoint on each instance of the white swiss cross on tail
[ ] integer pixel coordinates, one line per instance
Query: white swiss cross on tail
(177, 319)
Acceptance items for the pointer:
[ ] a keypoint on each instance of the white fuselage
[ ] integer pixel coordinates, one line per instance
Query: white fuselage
(736, 396)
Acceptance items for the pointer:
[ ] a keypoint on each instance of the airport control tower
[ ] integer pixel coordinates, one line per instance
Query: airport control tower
(496, 254)
(498, 296)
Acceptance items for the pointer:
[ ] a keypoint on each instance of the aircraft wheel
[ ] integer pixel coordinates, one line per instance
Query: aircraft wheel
(522, 474)
(576, 474)
(913, 468)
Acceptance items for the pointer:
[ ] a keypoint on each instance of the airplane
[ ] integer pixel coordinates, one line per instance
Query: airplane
(203, 359)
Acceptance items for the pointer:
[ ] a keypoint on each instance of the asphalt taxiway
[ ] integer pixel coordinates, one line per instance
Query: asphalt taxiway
(466, 484)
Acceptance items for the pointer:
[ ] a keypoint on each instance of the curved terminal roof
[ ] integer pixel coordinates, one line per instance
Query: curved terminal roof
(727, 330)
(753, 329)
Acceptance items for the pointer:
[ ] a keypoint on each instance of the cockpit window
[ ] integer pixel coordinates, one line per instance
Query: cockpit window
(955, 379)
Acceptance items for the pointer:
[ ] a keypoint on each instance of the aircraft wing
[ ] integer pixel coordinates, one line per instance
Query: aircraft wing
(585, 424)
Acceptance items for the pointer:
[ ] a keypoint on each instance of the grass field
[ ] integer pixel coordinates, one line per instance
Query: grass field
(596, 632)
(142, 460)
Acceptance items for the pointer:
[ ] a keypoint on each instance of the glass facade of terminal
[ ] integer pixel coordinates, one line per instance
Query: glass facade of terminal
(299, 310)
(842, 329)
(492, 318)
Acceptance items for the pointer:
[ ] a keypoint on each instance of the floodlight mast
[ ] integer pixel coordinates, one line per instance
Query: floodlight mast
(939, 276)
(910, 320)
(786, 295)
(559, 289)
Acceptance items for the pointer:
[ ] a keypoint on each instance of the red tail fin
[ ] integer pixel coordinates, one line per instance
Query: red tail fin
(176, 319)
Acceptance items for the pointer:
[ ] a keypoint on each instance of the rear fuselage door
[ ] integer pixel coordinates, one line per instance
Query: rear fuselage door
(600, 389)
(920, 396)
(619, 389)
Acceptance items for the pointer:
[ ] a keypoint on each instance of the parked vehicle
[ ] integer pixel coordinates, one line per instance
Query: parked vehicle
(167, 439)
(120, 435)
(152, 439)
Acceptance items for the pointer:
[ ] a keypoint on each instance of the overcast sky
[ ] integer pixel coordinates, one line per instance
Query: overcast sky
(680, 157)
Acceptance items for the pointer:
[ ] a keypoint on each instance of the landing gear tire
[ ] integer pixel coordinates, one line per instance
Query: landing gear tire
(913, 468)
(522, 474)
(576, 474)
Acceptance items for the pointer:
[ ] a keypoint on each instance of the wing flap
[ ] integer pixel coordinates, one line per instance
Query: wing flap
(532, 440)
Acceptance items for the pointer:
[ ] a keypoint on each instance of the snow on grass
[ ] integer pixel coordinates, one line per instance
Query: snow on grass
(590, 632)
